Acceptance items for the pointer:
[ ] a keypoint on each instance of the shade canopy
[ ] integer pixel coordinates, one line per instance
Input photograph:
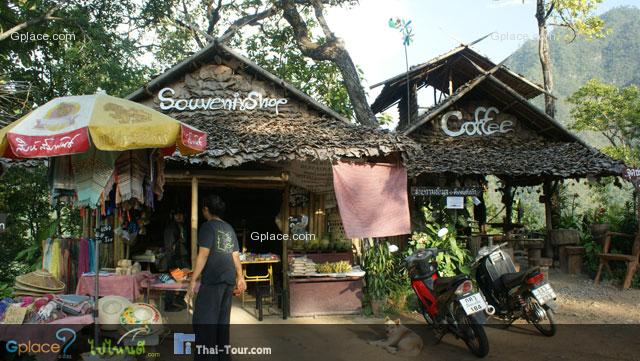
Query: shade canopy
(70, 125)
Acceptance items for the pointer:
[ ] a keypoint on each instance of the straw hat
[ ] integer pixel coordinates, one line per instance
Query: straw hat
(41, 280)
(109, 310)
(143, 315)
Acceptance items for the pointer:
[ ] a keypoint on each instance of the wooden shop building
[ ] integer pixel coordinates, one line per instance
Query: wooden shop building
(481, 123)
(270, 152)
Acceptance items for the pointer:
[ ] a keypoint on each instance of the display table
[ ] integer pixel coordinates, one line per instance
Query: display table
(310, 296)
(266, 278)
(164, 287)
(129, 287)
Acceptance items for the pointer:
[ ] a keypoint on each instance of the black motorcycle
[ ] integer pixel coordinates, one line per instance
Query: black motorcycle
(515, 295)
(448, 304)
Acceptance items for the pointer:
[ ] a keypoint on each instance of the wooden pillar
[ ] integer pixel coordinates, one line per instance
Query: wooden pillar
(548, 216)
(507, 199)
(408, 116)
(194, 220)
(285, 244)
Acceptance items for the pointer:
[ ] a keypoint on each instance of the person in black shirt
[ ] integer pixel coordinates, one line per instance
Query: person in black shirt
(218, 263)
(177, 256)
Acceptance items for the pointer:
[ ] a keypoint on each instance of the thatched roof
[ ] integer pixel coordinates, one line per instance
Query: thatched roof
(304, 129)
(459, 65)
(525, 162)
(262, 139)
(543, 148)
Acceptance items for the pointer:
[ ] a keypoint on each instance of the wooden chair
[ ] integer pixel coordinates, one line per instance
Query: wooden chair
(631, 260)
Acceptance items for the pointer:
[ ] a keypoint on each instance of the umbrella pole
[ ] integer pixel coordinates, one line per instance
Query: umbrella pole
(96, 261)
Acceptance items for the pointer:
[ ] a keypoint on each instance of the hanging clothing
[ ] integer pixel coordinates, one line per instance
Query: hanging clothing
(372, 199)
(158, 184)
(92, 172)
(92, 252)
(83, 257)
(56, 259)
(132, 168)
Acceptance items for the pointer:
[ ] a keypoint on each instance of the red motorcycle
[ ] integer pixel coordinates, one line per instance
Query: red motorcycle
(449, 304)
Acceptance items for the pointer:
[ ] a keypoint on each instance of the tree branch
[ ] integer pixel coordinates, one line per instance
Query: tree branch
(213, 15)
(318, 9)
(45, 17)
(246, 20)
(188, 18)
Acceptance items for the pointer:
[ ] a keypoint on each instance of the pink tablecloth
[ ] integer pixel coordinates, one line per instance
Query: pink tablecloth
(125, 286)
(44, 333)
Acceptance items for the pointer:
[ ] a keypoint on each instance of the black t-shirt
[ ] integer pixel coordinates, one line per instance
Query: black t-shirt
(220, 238)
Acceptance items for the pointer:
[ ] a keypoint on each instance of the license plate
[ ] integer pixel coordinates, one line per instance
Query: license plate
(544, 294)
(472, 304)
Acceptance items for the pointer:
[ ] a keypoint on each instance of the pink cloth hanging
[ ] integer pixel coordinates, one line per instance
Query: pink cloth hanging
(372, 199)
(83, 257)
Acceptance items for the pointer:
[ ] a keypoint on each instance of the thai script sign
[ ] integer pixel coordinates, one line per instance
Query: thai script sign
(254, 100)
(484, 123)
(632, 175)
(446, 192)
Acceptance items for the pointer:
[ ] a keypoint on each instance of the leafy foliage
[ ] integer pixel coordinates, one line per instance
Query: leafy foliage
(578, 15)
(453, 260)
(384, 272)
(613, 112)
(91, 45)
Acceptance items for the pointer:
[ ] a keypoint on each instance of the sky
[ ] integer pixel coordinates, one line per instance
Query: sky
(438, 26)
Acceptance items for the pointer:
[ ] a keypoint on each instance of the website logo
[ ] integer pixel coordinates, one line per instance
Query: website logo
(67, 337)
(183, 343)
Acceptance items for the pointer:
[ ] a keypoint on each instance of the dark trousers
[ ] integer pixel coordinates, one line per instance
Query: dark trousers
(211, 318)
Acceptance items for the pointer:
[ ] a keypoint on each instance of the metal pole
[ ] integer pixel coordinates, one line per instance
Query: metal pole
(96, 277)
(406, 60)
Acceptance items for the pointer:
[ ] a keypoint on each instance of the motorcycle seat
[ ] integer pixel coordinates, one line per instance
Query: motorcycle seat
(444, 283)
(511, 280)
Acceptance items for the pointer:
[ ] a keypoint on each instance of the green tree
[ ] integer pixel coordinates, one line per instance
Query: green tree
(291, 38)
(89, 44)
(576, 15)
(24, 197)
(613, 112)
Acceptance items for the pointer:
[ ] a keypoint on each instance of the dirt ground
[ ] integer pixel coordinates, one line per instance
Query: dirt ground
(596, 323)
(582, 302)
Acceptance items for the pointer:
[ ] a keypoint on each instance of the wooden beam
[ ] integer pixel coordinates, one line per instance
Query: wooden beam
(548, 216)
(194, 220)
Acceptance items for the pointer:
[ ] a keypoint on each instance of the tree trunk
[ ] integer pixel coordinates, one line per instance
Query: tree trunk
(362, 111)
(333, 50)
(545, 58)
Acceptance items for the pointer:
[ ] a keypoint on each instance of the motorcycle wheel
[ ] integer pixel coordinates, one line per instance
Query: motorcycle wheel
(546, 326)
(475, 337)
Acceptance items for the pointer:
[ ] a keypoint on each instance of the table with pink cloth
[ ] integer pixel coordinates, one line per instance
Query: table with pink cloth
(45, 333)
(150, 285)
(129, 286)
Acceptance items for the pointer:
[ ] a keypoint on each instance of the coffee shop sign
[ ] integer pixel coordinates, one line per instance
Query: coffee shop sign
(483, 124)
(253, 100)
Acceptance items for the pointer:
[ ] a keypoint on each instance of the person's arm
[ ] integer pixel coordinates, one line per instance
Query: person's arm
(201, 260)
(241, 284)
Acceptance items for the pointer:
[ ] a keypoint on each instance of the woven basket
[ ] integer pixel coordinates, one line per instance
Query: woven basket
(41, 279)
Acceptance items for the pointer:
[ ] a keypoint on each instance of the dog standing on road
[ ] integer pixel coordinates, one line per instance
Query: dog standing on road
(400, 339)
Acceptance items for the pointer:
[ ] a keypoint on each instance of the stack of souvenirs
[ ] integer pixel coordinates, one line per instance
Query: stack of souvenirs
(37, 299)
(301, 266)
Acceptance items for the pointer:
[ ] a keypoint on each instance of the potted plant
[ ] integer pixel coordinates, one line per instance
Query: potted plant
(384, 275)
